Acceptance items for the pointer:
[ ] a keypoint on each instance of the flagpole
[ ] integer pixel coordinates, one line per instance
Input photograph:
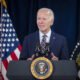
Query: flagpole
(1, 78)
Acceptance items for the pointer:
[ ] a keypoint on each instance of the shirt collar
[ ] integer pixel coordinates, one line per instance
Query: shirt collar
(48, 34)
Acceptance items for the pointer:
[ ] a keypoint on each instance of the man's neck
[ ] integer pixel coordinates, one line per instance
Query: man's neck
(45, 32)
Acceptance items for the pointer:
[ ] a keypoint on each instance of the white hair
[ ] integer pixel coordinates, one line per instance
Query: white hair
(49, 11)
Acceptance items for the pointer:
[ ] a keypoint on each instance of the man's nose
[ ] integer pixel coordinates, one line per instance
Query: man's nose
(41, 21)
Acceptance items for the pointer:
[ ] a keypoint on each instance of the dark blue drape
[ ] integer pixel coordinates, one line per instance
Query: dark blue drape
(67, 17)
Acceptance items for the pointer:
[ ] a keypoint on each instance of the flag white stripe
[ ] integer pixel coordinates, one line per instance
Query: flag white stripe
(9, 59)
(17, 52)
(4, 72)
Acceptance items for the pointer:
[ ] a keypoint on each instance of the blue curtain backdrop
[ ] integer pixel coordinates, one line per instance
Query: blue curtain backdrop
(67, 17)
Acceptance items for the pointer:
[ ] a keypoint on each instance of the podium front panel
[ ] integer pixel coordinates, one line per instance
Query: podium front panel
(63, 70)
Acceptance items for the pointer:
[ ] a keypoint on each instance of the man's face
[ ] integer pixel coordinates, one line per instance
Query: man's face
(44, 21)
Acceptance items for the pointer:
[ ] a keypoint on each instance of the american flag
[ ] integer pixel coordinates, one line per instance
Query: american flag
(9, 43)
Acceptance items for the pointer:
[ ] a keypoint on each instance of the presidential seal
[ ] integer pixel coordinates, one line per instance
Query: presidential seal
(41, 68)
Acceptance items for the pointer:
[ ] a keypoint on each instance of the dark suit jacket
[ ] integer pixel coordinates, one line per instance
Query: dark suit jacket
(58, 46)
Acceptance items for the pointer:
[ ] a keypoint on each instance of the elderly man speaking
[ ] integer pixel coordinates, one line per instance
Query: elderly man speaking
(57, 44)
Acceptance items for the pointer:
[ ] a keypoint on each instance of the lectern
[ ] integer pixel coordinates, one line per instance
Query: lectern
(62, 70)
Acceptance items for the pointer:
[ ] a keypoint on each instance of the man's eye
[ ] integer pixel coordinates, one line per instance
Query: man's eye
(44, 18)
(41, 18)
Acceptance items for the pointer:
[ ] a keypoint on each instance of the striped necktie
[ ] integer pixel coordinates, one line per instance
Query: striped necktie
(43, 43)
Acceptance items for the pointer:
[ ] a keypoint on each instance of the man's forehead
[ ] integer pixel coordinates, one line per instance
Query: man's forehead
(44, 11)
(43, 14)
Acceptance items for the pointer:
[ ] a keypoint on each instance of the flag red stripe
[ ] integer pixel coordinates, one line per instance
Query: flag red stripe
(13, 56)
(5, 63)
(20, 47)
(1, 76)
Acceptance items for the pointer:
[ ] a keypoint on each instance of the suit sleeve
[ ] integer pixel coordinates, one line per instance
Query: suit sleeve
(64, 50)
(24, 52)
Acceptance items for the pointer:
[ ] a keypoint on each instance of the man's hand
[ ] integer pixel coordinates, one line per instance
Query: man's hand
(31, 58)
(54, 57)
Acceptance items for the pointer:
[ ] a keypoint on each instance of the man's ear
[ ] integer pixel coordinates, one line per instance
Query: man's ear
(52, 21)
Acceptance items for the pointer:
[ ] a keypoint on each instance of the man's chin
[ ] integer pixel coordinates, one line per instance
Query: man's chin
(42, 30)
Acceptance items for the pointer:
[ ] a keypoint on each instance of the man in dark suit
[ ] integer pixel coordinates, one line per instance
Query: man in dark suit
(57, 43)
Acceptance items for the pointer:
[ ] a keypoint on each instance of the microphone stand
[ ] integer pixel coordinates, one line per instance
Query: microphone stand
(37, 50)
(40, 52)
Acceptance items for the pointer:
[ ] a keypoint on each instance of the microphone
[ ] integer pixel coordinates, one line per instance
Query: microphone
(39, 51)
(46, 50)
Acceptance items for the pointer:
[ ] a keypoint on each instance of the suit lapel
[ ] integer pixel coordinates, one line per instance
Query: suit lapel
(37, 40)
(52, 40)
